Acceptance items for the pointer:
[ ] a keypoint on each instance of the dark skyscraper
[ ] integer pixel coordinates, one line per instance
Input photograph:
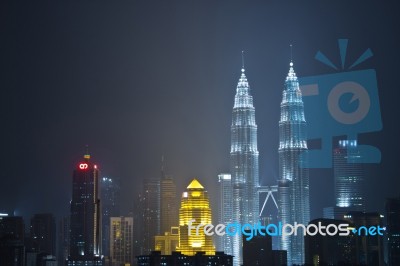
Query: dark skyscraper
(393, 230)
(110, 207)
(63, 240)
(12, 236)
(244, 162)
(150, 203)
(43, 233)
(293, 186)
(85, 215)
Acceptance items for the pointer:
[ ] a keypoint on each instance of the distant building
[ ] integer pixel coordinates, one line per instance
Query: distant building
(349, 179)
(348, 176)
(168, 204)
(393, 230)
(168, 242)
(12, 236)
(330, 250)
(63, 240)
(195, 209)
(369, 248)
(85, 215)
(121, 240)
(179, 259)
(257, 250)
(110, 207)
(43, 233)
(225, 211)
(150, 203)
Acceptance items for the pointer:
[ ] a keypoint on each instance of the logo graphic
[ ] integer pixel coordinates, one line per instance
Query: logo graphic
(83, 166)
(343, 103)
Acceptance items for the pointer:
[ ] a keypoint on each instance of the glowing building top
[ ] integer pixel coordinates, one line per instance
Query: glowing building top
(195, 209)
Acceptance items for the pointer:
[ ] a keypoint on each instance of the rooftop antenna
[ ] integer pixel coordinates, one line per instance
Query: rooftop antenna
(242, 59)
(291, 55)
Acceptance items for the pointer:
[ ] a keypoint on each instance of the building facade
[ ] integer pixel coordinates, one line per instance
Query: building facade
(195, 210)
(225, 216)
(110, 207)
(85, 218)
(349, 176)
(392, 207)
(121, 240)
(150, 205)
(244, 162)
(168, 204)
(43, 233)
(293, 186)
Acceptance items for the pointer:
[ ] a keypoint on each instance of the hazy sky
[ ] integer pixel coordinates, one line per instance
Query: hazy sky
(138, 79)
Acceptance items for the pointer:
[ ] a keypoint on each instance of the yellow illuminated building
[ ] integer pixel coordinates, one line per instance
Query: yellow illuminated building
(195, 205)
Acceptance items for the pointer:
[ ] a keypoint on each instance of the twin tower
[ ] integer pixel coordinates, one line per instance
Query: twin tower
(293, 183)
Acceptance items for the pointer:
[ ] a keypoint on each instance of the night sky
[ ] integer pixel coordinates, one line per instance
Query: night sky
(138, 80)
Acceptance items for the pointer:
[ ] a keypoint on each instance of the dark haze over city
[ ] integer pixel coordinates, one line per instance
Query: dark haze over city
(138, 80)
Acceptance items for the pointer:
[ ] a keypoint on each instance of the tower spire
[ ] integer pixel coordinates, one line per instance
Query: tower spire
(242, 61)
(291, 54)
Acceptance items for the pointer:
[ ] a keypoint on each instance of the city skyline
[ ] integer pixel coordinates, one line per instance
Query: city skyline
(133, 90)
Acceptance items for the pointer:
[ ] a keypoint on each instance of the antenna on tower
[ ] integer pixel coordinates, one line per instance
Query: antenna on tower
(242, 59)
(291, 53)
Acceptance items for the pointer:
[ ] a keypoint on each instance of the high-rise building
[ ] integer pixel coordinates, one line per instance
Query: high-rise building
(63, 240)
(257, 250)
(43, 233)
(150, 203)
(293, 186)
(244, 162)
(121, 240)
(168, 204)
(110, 207)
(369, 247)
(195, 210)
(323, 249)
(349, 176)
(85, 215)
(225, 210)
(12, 236)
(393, 230)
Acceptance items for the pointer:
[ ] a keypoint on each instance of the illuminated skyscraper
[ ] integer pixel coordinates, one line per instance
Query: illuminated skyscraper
(121, 240)
(110, 207)
(85, 215)
(349, 176)
(293, 186)
(195, 205)
(244, 162)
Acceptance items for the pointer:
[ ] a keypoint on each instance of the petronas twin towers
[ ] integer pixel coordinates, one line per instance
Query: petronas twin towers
(293, 184)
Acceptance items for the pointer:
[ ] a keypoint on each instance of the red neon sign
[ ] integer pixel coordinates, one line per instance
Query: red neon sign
(83, 166)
